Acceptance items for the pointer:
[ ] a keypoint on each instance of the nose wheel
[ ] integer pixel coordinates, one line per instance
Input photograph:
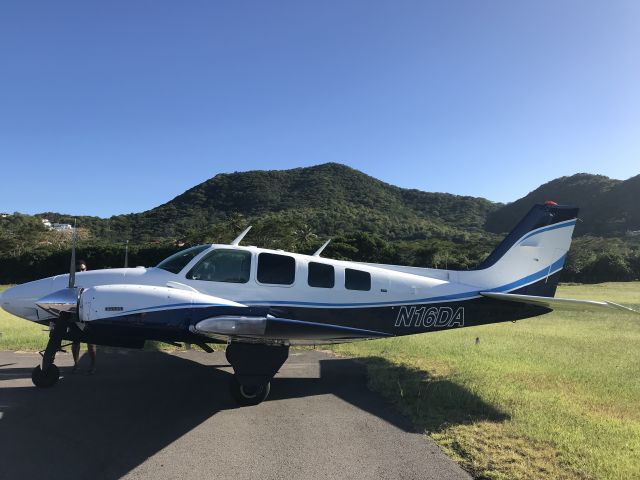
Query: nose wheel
(45, 378)
(48, 374)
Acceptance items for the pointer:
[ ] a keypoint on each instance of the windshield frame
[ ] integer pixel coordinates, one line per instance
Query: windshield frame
(194, 253)
(221, 249)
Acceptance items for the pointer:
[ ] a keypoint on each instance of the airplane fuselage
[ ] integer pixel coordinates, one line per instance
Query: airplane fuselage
(260, 301)
(373, 300)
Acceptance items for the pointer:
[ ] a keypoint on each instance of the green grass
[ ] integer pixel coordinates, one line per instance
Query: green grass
(556, 396)
(18, 334)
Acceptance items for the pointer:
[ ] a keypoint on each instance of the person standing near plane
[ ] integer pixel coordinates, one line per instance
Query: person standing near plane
(91, 348)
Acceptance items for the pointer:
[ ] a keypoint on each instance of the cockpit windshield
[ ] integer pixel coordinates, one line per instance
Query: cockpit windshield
(178, 261)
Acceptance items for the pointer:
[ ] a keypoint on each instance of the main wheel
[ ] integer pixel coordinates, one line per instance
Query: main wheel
(247, 395)
(45, 379)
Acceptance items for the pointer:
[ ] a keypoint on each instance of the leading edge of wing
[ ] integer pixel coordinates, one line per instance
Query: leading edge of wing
(561, 303)
(280, 328)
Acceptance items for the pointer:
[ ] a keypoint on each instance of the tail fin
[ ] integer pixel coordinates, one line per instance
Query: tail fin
(529, 259)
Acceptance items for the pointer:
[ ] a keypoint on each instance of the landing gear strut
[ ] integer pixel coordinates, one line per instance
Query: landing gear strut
(47, 374)
(254, 366)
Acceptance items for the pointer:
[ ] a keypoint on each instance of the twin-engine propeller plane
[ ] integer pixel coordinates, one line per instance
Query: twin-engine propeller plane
(259, 301)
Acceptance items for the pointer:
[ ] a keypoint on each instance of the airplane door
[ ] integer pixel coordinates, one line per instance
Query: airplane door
(380, 285)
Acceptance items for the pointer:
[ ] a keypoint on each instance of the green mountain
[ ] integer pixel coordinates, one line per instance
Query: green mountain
(332, 199)
(607, 207)
(367, 219)
(329, 198)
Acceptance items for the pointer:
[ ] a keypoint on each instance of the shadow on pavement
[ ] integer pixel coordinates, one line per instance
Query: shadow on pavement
(139, 403)
(135, 406)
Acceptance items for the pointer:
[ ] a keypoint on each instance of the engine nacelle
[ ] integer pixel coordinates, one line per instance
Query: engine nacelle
(109, 301)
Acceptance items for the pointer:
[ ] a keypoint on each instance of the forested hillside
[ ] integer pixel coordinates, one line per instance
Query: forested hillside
(607, 207)
(368, 219)
(330, 198)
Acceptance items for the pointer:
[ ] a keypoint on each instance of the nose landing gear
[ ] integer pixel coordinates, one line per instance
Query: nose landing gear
(47, 374)
(45, 378)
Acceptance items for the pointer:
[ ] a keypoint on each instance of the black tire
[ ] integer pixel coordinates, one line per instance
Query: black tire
(45, 379)
(247, 395)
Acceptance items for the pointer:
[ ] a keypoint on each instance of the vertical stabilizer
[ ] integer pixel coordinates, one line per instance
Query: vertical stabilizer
(530, 258)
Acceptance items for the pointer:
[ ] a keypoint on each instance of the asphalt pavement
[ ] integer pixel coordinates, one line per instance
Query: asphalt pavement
(170, 416)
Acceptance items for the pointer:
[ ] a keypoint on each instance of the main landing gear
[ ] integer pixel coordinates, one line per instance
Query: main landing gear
(47, 374)
(254, 366)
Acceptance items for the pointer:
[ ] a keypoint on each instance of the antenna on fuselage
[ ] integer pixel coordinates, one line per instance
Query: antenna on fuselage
(241, 236)
(319, 251)
(72, 266)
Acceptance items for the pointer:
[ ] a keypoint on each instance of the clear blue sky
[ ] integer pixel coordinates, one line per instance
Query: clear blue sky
(115, 107)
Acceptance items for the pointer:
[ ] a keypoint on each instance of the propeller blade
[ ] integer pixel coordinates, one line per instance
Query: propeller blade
(72, 267)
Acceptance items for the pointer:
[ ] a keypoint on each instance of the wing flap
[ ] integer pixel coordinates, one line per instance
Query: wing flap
(561, 303)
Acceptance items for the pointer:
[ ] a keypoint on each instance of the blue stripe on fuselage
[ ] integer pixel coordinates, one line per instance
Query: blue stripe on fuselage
(177, 305)
(534, 277)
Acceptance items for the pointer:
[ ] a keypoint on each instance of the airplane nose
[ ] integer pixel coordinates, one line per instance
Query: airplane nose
(20, 300)
(7, 300)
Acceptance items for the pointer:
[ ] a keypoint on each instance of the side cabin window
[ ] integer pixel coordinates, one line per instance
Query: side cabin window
(232, 266)
(276, 269)
(321, 275)
(357, 279)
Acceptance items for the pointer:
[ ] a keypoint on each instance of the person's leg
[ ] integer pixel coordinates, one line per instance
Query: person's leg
(75, 351)
(92, 355)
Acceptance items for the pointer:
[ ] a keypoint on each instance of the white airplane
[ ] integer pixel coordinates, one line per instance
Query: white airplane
(260, 301)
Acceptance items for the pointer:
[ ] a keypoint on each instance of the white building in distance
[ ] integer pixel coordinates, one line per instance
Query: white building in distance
(58, 227)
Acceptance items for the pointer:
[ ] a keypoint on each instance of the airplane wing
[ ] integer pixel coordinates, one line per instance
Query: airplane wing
(270, 327)
(561, 303)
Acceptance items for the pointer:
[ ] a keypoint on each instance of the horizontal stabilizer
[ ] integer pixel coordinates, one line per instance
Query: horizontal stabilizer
(560, 303)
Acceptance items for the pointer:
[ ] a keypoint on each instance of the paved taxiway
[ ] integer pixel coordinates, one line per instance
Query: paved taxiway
(166, 416)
